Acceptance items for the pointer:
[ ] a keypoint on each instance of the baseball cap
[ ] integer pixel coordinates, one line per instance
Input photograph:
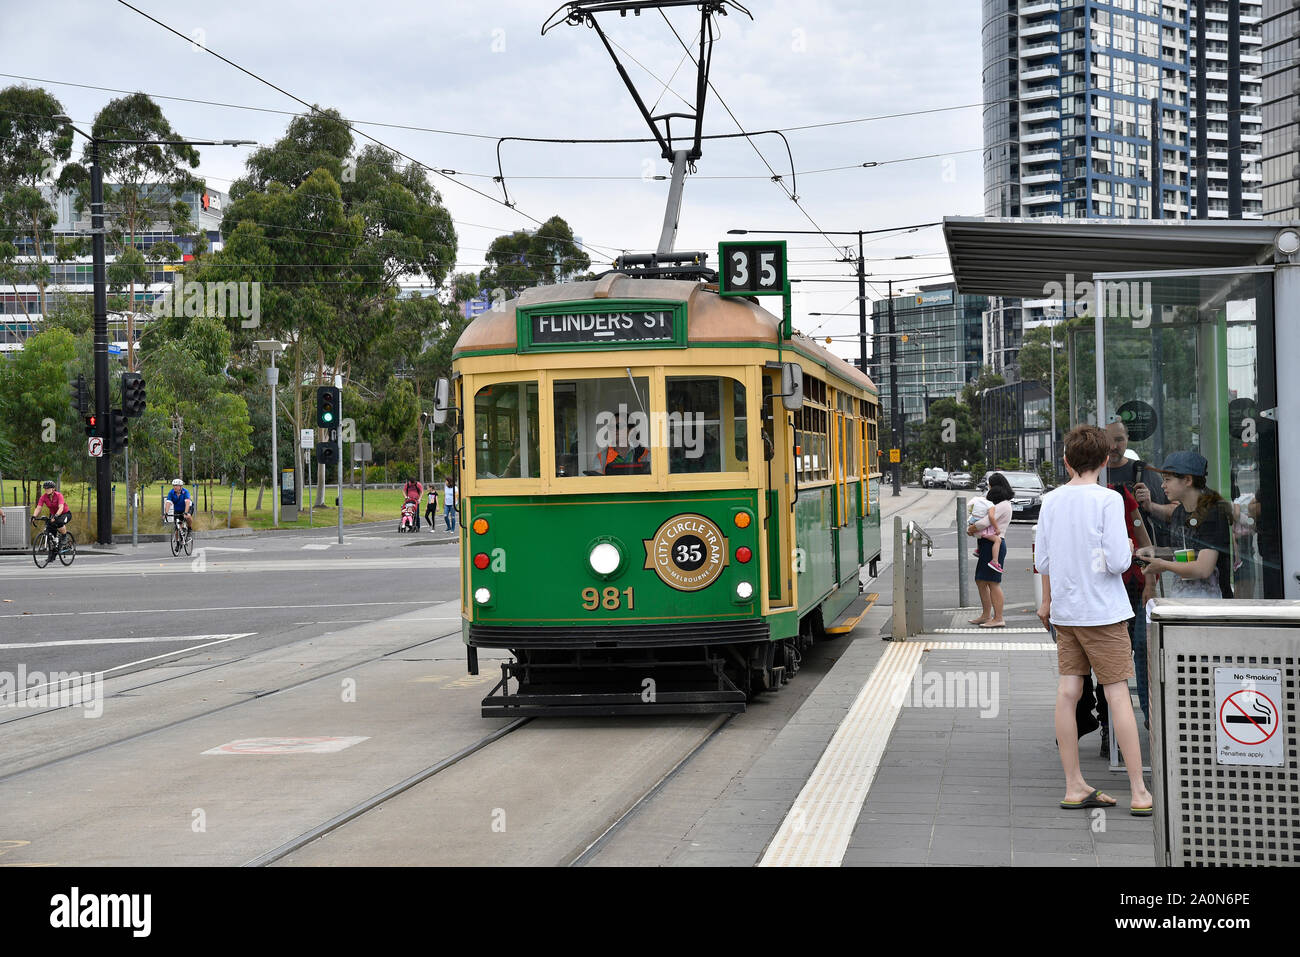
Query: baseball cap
(1185, 463)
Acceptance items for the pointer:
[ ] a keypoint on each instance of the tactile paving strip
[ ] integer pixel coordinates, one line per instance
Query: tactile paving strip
(819, 826)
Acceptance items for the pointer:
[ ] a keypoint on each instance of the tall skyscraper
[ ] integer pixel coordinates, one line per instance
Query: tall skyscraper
(1082, 98)
(1281, 109)
(1128, 109)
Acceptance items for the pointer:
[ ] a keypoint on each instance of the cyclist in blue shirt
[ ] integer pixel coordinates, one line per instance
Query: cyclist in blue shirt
(182, 503)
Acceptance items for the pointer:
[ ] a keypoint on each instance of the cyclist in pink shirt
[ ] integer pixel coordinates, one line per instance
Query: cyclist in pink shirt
(57, 506)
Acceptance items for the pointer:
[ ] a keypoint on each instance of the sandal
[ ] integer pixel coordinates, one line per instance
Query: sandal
(1092, 800)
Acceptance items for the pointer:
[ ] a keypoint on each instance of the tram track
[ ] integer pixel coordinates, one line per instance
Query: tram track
(375, 800)
(349, 666)
(595, 847)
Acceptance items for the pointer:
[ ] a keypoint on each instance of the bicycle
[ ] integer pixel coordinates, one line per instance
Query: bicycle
(182, 538)
(49, 543)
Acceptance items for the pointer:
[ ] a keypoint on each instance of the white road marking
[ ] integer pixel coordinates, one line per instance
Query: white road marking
(223, 548)
(162, 611)
(319, 547)
(295, 565)
(120, 641)
(166, 654)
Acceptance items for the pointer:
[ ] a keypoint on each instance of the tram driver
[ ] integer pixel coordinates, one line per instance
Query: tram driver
(624, 455)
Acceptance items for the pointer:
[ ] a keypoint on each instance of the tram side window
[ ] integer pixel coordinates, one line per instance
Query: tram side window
(707, 425)
(601, 427)
(505, 430)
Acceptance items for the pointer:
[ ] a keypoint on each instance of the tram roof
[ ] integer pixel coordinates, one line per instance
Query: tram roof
(1020, 257)
(710, 318)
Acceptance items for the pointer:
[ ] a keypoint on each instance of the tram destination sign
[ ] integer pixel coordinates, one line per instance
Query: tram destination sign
(603, 325)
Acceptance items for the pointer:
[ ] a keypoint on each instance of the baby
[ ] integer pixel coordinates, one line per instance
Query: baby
(979, 512)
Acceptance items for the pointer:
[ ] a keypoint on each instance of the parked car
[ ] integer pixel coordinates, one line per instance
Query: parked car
(934, 478)
(1027, 494)
(958, 480)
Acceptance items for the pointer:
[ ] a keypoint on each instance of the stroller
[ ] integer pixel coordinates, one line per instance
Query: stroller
(407, 523)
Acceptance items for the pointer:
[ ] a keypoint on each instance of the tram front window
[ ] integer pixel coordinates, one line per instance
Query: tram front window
(505, 431)
(707, 426)
(601, 426)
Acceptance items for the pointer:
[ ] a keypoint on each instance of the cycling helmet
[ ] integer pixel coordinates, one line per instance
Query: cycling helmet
(176, 483)
(47, 484)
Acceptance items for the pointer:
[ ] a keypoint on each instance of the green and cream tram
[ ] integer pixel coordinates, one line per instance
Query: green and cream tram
(663, 501)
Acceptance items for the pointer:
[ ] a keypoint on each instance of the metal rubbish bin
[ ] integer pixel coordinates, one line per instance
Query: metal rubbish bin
(1224, 682)
(15, 533)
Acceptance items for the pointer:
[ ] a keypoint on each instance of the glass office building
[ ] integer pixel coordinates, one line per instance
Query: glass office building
(942, 351)
(20, 314)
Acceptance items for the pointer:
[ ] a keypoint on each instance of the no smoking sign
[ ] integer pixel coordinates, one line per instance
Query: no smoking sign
(1248, 717)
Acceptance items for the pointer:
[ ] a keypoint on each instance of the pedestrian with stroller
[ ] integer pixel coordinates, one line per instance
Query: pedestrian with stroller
(413, 492)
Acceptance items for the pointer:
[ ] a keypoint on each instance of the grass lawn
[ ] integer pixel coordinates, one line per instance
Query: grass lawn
(381, 505)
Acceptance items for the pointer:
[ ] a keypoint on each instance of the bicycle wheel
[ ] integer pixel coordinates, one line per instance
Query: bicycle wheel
(176, 542)
(68, 550)
(41, 551)
(189, 542)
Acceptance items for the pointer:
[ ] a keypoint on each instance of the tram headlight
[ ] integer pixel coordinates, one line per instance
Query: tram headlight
(605, 559)
(482, 596)
(744, 591)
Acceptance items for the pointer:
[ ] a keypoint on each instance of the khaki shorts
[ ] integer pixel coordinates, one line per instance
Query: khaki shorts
(1103, 649)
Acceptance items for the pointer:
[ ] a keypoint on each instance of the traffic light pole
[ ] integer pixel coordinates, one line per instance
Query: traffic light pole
(338, 466)
(104, 465)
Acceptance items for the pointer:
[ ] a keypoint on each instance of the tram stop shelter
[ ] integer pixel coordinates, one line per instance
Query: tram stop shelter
(1187, 331)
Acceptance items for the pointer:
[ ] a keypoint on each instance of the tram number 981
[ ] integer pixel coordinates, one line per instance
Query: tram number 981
(611, 599)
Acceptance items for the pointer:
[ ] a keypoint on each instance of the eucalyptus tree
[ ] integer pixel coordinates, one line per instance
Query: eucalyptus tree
(34, 143)
(143, 188)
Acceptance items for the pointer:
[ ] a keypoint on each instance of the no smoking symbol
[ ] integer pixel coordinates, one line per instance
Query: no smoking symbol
(1263, 721)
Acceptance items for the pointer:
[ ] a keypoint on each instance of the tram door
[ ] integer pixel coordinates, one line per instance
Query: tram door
(840, 455)
(778, 490)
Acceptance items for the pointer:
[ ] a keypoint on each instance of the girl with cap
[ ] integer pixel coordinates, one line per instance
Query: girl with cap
(1200, 531)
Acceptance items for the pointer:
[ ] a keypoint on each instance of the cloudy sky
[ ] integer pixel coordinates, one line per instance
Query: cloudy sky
(484, 68)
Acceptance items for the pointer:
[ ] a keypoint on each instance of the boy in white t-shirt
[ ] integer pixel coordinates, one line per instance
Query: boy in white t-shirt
(979, 512)
(1082, 552)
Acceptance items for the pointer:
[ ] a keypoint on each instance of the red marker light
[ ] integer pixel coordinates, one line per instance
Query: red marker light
(481, 561)
(743, 555)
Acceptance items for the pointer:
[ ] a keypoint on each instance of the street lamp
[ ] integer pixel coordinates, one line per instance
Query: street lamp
(104, 466)
(273, 348)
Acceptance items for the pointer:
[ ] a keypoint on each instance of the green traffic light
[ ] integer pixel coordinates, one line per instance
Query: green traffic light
(328, 417)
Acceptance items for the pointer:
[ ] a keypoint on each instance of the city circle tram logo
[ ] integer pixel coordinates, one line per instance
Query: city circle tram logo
(687, 553)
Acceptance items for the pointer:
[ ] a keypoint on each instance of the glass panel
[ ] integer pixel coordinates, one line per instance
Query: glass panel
(1189, 368)
(601, 427)
(505, 430)
(707, 425)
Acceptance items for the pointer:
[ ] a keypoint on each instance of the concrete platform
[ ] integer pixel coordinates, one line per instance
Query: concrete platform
(949, 756)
